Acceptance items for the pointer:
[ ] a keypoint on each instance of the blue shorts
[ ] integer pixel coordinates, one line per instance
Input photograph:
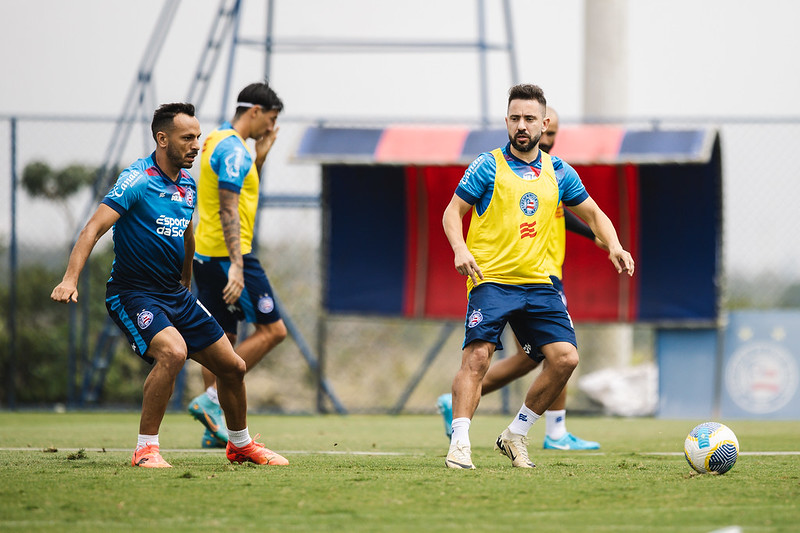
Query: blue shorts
(559, 285)
(535, 312)
(142, 315)
(256, 304)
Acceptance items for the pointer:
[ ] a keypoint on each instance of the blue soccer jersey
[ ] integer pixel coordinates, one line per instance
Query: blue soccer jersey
(148, 237)
(477, 185)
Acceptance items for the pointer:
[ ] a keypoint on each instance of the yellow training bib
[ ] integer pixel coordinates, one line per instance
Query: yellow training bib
(509, 241)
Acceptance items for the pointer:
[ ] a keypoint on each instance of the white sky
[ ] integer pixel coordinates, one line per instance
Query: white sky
(686, 59)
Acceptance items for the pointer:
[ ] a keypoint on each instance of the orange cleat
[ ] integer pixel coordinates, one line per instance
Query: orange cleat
(255, 452)
(149, 457)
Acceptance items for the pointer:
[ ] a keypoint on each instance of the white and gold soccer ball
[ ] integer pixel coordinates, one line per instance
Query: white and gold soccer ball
(711, 448)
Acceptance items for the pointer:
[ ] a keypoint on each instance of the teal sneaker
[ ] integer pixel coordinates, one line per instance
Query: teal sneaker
(570, 442)
(445, 405)
(210, 415)
(211, 441)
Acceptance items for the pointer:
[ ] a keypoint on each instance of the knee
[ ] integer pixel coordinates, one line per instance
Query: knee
(170, 357)
(278, 331)
(232, 369)
(237, 367)
(271, 334)
(570, 359)
(565, 359)
(477, 357)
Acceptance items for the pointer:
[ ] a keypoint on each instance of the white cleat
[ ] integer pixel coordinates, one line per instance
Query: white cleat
(515, 447)
(459, 456)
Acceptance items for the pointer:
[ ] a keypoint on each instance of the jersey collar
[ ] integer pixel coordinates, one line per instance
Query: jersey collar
(162, 173)
(510, 156)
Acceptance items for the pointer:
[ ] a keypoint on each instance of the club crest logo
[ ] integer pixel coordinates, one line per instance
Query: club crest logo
(762, 377)
(474, 319)
(144, 319)
(529, 204)
(266, 304)
(190, 197)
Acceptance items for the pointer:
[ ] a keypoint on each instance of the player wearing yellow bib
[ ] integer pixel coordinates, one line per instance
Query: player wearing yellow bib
(506, 370)
(230, 280)
(514, 193)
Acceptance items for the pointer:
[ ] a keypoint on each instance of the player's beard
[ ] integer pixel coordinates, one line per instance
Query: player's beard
(180, 160)
(528, 146)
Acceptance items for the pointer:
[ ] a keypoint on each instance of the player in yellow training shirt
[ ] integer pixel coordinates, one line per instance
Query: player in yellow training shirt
(506, 370)
(230, 280)
(514, 193)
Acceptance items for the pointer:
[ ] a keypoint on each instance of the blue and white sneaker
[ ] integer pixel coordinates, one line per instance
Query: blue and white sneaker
(210, 415)
(445, 405)
(570, 442)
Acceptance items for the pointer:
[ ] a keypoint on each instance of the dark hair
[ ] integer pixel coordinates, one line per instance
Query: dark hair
(527, 91)
(259, 94)
(165, 114)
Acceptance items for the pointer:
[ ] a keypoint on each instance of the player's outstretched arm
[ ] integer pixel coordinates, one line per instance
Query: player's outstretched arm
(98, 225)
(603, 228)
(451, 220)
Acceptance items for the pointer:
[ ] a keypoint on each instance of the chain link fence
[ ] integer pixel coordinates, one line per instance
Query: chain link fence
(368, 362)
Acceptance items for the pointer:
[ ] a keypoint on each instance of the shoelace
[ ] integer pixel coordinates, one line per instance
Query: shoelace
(463, 449)
(148, 448)
(524, 451)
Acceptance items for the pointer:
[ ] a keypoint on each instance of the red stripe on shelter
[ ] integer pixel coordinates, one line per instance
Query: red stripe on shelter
(417, 145)
(588, 144)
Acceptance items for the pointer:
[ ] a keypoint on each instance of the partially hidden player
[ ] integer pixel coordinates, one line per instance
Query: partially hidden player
(229, 278)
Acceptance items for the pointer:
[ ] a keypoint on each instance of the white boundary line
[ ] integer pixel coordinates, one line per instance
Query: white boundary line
(740, 453)
(205, 450)
(330, 452)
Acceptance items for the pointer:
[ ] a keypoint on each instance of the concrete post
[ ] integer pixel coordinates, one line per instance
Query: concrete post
(604, 97)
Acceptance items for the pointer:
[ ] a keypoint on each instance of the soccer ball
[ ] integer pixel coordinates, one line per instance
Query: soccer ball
(711, 448)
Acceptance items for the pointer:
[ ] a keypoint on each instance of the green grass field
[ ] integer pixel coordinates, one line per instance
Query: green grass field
(71, 472)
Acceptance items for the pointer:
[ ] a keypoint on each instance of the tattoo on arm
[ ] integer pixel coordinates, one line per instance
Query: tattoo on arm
(229, 219)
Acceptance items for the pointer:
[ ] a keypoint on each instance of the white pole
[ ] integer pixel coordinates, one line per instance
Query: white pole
(605, 82)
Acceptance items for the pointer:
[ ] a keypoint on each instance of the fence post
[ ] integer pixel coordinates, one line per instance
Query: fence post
(11, 373)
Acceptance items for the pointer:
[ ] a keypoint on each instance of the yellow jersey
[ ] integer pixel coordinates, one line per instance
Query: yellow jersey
(226, 162)
(510, 238)
(557, 248)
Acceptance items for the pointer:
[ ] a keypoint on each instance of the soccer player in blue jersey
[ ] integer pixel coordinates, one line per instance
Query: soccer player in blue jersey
(506, 370)
(513, 193)
(150, 208)
(229, 277)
